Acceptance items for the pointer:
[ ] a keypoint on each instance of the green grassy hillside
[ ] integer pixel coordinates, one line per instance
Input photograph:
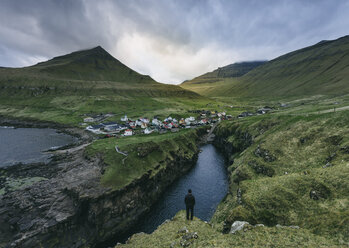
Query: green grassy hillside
(145, 152)
(319, 69)
(94, 64)
(85, 82)
(294, 173)
(202, 84)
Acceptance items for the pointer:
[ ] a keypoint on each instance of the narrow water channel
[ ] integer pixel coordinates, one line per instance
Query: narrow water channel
(209, 182)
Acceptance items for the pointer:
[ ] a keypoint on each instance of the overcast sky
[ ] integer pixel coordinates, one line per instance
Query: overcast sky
(170, 40)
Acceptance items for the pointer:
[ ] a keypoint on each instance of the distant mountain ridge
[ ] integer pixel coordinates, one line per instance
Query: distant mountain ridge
(233, 70)
(319, 69)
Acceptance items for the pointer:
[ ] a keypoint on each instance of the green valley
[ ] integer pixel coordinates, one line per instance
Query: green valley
(286, 148)
(321, 69)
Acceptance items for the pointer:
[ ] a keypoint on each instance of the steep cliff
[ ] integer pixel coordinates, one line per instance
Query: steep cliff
(72, 207)
(287, 170)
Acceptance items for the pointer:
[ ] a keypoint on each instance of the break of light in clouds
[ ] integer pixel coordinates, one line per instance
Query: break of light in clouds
(169, 40)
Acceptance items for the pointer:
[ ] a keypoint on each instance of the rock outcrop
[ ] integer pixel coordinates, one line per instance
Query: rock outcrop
(72, 209)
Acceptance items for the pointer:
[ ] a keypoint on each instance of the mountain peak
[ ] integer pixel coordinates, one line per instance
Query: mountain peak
(94, 64)
(97, 49)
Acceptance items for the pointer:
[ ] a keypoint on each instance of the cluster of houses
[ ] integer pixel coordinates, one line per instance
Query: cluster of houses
(130, 127)
(260, 111)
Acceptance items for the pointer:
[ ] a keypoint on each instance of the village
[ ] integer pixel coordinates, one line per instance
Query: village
(144, 125)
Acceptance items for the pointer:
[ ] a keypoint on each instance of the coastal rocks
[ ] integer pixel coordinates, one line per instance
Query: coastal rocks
(73, 209)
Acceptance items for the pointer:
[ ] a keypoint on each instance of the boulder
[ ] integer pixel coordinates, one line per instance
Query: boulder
(314, 195)
(327, 165)
(188, 239)
(183, 230)
(237, 226)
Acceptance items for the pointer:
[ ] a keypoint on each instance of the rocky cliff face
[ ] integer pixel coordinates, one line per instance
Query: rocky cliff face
(72, 209)
(228, 146)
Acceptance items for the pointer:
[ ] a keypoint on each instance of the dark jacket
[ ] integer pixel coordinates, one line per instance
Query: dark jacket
(189, 200)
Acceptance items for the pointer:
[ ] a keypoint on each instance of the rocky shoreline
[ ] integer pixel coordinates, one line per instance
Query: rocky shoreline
(28, 123)
(69, 207)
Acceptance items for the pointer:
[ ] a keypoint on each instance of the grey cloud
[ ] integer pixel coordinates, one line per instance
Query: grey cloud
(170, 40)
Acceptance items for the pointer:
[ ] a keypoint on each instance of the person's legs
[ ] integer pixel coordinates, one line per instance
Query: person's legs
(191, 213)
(187, 213)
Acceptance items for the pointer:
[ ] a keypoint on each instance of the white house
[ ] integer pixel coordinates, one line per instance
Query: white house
(138, 122)
(132, 124)
(95, 129)
(89, 119)
(112, 128)
(128, 132)
(145, 120)
(155, 122)
(148, 131)
(124, 118)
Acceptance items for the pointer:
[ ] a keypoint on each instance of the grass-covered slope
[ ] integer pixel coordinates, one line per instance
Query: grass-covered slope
(145, 153)
(294, 171)
(89, 81)
(202, 84)
(319, 69)
(94, 64)
(169, 235)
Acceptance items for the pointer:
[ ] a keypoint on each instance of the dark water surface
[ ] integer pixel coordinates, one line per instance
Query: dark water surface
(26, 145)
(209, 183)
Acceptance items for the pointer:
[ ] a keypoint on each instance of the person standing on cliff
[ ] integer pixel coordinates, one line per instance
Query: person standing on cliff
(189, 204)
